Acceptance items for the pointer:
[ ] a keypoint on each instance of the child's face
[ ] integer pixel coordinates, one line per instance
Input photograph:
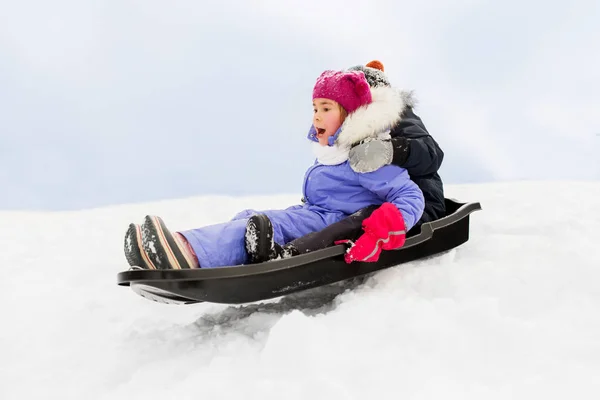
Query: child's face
(327, 119)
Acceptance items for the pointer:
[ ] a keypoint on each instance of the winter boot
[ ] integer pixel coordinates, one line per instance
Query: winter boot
(135, 255)
(164, 249)
(260, 244)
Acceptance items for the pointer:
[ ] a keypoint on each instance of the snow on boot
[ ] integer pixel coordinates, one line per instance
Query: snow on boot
(260, 244)
(259, 239)
(162, 248)
(135, 255)
(288, 251)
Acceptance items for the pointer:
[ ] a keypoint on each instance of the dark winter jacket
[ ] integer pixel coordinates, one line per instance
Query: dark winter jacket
(417, 152)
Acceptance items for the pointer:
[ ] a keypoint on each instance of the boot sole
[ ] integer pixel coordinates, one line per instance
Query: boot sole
(134, 254)
(160, 245)
(258, 241)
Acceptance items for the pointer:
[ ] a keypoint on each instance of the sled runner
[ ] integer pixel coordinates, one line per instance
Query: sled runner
(249, 283)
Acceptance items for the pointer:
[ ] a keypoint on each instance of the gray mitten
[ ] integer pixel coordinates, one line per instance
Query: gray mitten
(370, 156)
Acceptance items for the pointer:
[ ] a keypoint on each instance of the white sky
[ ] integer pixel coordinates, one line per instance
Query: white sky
(130, 101)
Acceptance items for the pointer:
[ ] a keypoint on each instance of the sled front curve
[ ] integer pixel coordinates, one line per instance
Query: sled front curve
(249, 283)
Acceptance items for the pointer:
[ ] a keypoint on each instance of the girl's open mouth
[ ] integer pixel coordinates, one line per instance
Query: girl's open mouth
(320, 132)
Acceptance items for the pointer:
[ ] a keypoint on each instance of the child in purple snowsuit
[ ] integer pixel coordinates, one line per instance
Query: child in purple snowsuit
(410, 147)
(345, 108)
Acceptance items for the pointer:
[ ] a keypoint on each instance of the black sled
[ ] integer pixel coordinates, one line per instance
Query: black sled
(250, 283)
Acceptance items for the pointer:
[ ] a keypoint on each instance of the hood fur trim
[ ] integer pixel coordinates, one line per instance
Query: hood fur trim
(378, 117)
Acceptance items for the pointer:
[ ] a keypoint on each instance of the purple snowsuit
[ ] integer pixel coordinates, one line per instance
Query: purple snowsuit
(331, 192)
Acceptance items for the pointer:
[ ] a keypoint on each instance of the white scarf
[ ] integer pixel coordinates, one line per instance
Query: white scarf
(330, 155)
(336, 154)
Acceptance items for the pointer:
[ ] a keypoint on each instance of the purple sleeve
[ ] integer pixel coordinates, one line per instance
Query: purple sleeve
(393, 185)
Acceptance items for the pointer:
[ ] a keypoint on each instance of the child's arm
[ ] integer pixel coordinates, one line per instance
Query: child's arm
(393, 185)
(386, 227)
(411, 147)
(420, 156)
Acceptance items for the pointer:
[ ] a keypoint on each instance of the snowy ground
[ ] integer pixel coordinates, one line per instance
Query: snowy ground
(511, 314)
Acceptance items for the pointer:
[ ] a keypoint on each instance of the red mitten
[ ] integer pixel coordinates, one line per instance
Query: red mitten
(384, 230)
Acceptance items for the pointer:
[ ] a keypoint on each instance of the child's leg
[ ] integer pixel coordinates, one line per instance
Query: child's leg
(184, 244)
(348, 228)
(225, 245)
(164, 249)
(218, 245)
(302, 230)
(292, 224)
(260, 243)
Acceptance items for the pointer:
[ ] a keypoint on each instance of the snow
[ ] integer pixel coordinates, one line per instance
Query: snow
(512, 313)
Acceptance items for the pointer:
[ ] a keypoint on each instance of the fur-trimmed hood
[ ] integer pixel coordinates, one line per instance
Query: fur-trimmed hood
(376, 118)
(373, 120)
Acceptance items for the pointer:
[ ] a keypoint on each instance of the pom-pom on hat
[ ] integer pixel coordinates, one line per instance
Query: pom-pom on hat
(373, 71)
(375, 64)
(349, 88)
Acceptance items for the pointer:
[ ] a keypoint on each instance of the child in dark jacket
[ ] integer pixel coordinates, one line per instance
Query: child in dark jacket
(410, 147)
(346, 110)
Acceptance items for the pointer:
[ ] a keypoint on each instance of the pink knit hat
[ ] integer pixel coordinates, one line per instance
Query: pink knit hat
(349, 88)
